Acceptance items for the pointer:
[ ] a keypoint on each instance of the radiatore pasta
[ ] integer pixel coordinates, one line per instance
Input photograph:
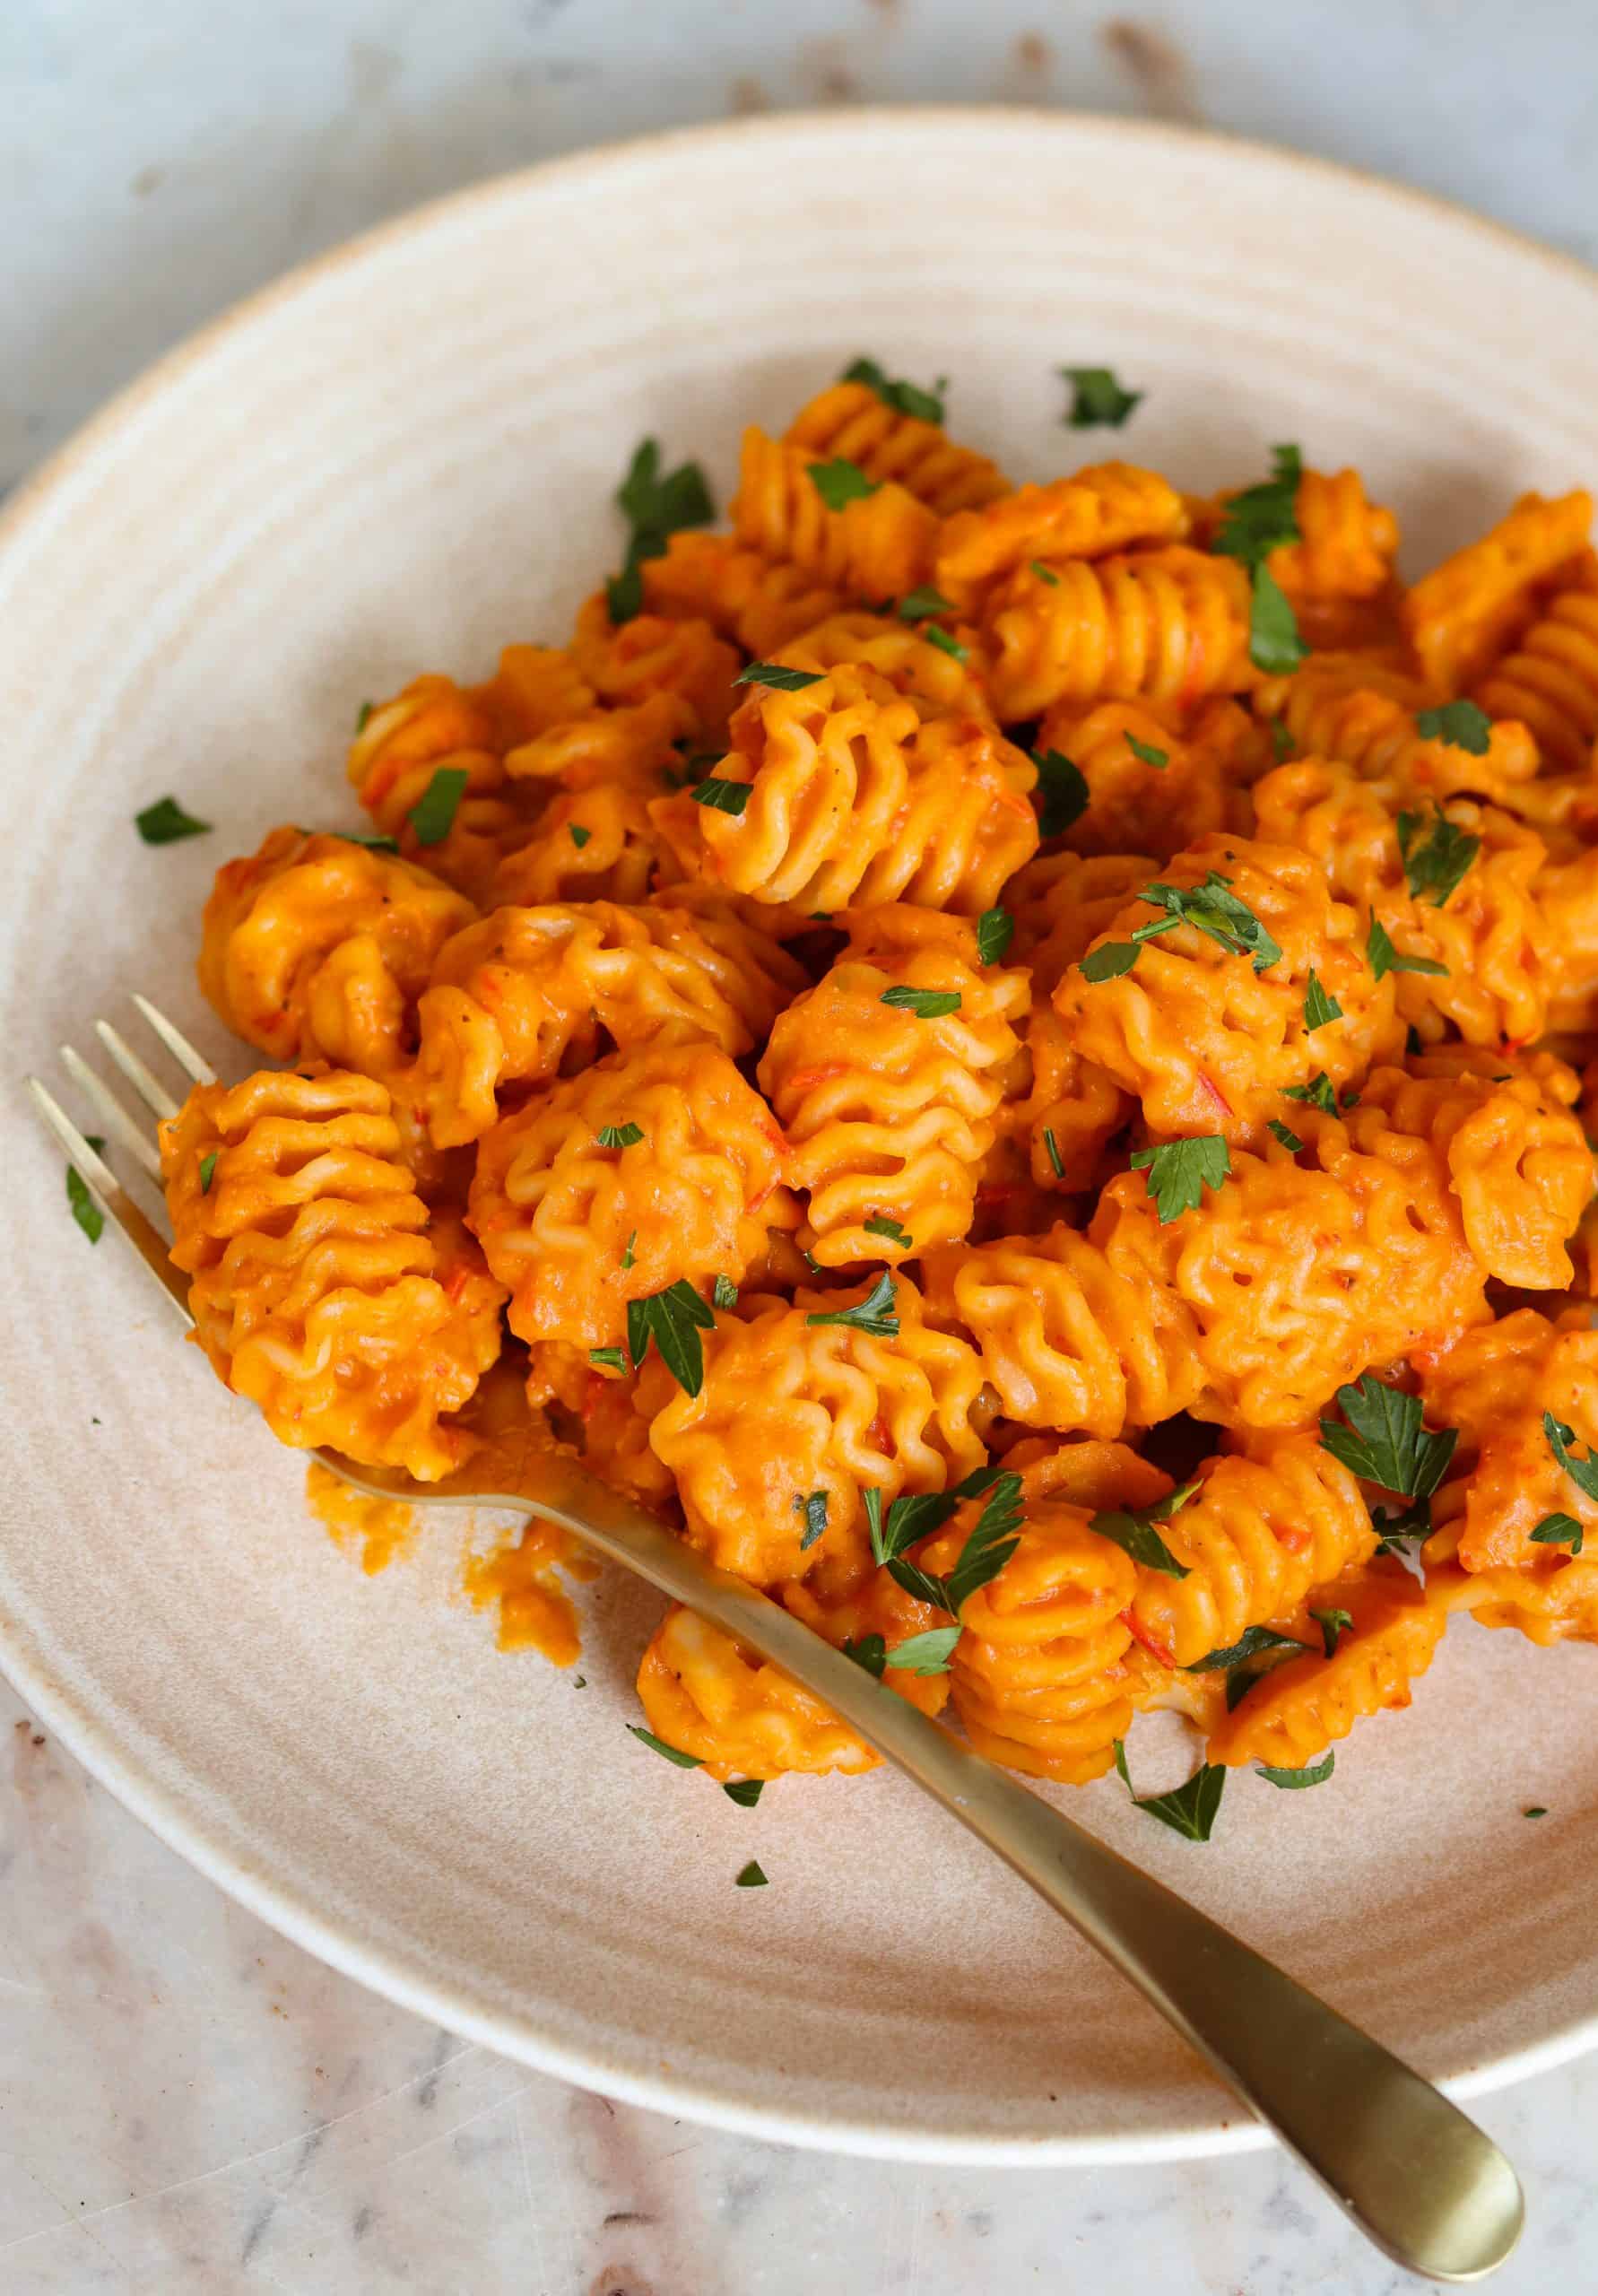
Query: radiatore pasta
(1008, 1059)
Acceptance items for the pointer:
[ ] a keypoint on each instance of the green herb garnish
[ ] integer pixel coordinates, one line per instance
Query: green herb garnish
(926, 1653)
(654, 506)
(1063, 792)
(879, 1225)
(778, 677)
(723, 796)
(840, 482)
(1133, 1530)
(373, 840)
(1319, 1008)
(995, 929)
(752, 1877)
(1261, 518)
(1190, 1809)
(1559, 1530)
(166, 823)
(926, 1004)
(1180, 1170)
(812, 1506)
(88, 1214)
(1437, 862)
(1583, 1473)
(620, 1135)
(607, 1358)
(945, 644)
(904, 399)
(432, 816)
(1384, 958)
(1254, 1644)
(1096, 399)
(1384, 1442)
(1461, 725)
(1275, 644)
(659, 1746)
(1147, 754)
(745, 1791)
(1288, 1137)
(927, 600)
(1051, 1149)
(1332, 1624)
(723, 1292)
(578, 835)
(207, 1168)
(877, 1313)
(674, 1318)
(870, 1652)
(1294, 1780)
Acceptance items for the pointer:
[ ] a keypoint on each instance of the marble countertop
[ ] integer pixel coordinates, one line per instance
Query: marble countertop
(188, 2105)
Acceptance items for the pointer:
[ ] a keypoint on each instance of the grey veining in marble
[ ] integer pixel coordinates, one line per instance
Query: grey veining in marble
(188, 2106)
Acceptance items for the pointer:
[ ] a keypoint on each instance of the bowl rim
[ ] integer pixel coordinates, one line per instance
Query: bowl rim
(387, 1971)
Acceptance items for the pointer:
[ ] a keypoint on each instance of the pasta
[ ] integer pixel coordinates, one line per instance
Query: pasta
(924, 1010)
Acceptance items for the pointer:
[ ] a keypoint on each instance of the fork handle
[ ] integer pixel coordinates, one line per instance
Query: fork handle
(1416, 2176)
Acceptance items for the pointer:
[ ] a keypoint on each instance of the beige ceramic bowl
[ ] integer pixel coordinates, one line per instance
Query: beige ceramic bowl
(399, 458)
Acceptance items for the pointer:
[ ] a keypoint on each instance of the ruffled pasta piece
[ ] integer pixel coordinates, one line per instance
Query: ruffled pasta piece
(1362, 712)
(1496, 935)
(1294, 1711)
(849, 421)
(635, 745)
(1063, 901)
(888, 1113)
(1549, 680)
(1516, 1156)
(594, 844)
(1103, 509)
(1159, 808)
(1066, 1341)
(316, 1293)
(1208, 1043)
(525, 990)
(1257, 1535)
(1287, 1280)
(1063, 1111)
(856, 798)
(939, 684)
(878, 1604)
(629, 663)
(707, 1695)
(574, 1228)
(1164, 625)
(759, 603)
(1347, 542)
(879, 545)
(317, 947)
(789, 1408)
(1468, 610)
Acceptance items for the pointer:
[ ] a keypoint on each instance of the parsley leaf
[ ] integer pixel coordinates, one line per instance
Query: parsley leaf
(840, 482)
(1063, 792)
(987, 1550)
(1583, 1473)
(655, 507)
(1332, 1624)
(910, 1518)
(877, 1313)
(620, 1135)
(1263, 518)
(723, 1292)
(870, 1652)
(432, 816)
(1437, 862)
(745, 1791)
(992, 1542)
(995, 929)
(207, 1168)
(1133, 1530)
(904, 399)
(926, 1653)
(1096, 399)
(1317, 1093)
(165, 824)
(88, 1214)
(578, 835)
(1384, 958)
(778, 677)
(1108, 961)
(926, 1004)
(1051, 1149)
(1257, 1639)
(723, 796)
(362, 716)
(1044, 573)
(1384, 1441)
(1319, 1008)
(879, 1225)
(1279, 1131)
(626, 1251)
(1282, 740)
(1461, 725)
(1559, 1530)
(752, 1877)
(373, 840)
(1536, 1811)
(1147, 754)
(1212, 908)
(812, 1506)
(674, 1318)
(1190, 1809)
(658, 1745)
(1179, 1171)
(945, 644)
(608, 1358)
(1293, 1780)
(927, 600)
(1275, 644)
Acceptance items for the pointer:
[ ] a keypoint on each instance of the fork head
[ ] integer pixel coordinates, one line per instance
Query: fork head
(138, 1138)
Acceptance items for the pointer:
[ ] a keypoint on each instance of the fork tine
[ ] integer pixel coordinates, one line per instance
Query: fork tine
(98, 1174)
(113, 1199)
(177, 1043)
(111, 1110)
(150, 1089)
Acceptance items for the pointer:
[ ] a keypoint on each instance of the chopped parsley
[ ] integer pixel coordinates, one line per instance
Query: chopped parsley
(1319, 1008)
(877, 1313)
(723, 1292)
(1263, 518)
(995, 929)
(1559, 1530)
(88, 1214)
(1384, 1442)
(812, 1506)
(1064, 795)
(578, 835)
(432, 816)
(165, 824)
(723, 796)
(879, 1225)
(841, 482)
(1190, 1809)
(920, 602)
(1133, 1530)
(1051, 1149)
(1044, 573)
(607, 1358)
(1147, 754)
(1212, 908)
(986, 1551)
(658, 1745)
(926, 1004)
(674, 1318)
(620, 1135)
(926, 1653)
(1110, 962)
(1434, 864)
(374, 839)
(945, 644)
(1317, 1093)
(745, 1791)
(778, 677)
(1331, 1623)
(207, 1168)
(656, 505)
(1536, 1810)
(1459, 725)
(1257, 1640)
(1281, 740)
(626, 1251)
(1180, 1170)
(1384, 958)
(1284, 1133)
(1583, 1473)
(904, 399)
(870, 1652)
(1294, 1780)
(362, 716)
(1097, 399)
(1275, 644)
(752, 1877)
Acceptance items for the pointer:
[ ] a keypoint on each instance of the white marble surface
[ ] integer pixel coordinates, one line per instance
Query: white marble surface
(188, 2106)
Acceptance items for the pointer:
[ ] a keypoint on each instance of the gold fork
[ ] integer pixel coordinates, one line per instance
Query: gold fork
(1416, 2176)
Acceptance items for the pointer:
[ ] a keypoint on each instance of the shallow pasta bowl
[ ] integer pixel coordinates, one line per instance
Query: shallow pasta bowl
(399, 459)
